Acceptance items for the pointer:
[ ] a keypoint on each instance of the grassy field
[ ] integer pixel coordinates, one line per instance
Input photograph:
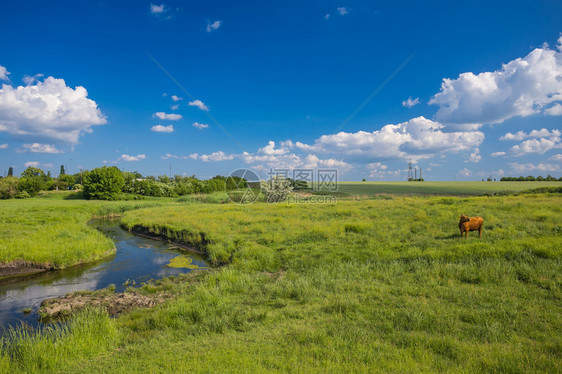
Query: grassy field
(380, 285)
(53, 232)
(437, 188)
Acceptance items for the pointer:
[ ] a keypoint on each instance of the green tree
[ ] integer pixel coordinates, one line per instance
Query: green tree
(33, 172)
(62, 171)
(103, 183)
(11, 172)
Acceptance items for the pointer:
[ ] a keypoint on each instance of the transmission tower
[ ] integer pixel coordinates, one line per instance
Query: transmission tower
(410, 171)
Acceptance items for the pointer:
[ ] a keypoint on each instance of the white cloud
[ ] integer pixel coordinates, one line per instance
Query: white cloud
(211, 26)
(475, 156)
(343, 11)
(48, 110)
(539, 146)
(29, 80)
(216, 156)
(169, 155)
(157, 9)
(327, 16)
(200, 126)
(176, 98)
(168, 116)
(33, 164)
(160, 128)
(410, 103)
(416, 138)
(199, 104)
(193, 156)
(534, 167)
(555, 110)
(4, 73)
(520, 135)
(497, 154)
(3, 146)
(174, 107)
(40, 148)
(557, 157)
(465, 172)
(131, 158)
(522, 87)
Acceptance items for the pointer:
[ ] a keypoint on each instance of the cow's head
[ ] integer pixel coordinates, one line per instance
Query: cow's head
(464, 218)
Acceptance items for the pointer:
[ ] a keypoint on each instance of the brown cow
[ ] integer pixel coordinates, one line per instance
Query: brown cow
(467, 224)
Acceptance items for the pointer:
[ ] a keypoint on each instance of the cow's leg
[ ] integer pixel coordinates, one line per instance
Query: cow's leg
(480, 231)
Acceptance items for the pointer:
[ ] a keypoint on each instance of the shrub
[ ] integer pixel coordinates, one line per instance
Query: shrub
(103, 183)
(8, 187)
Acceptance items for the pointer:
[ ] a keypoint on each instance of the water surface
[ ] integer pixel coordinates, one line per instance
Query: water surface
(137, 259)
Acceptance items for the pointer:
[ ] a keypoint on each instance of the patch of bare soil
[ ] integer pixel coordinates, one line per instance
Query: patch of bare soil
(115, 303)
(20, 267)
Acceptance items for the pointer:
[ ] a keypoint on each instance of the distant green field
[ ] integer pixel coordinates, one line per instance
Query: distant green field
(437, 188)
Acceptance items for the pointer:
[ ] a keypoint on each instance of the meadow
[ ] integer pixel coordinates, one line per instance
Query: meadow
(52, 231)
(438, 188)
(371, 285)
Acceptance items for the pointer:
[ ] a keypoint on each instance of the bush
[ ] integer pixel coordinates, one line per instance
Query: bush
(22, 195)
(103, 183)
(8, 187)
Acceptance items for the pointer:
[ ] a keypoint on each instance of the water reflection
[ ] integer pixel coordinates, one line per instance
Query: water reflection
(137, 259)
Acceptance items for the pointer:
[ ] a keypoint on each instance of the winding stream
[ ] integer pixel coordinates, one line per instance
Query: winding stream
(137, 259)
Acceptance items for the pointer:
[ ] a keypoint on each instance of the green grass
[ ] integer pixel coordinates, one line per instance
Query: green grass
(358, 286)
(52, 230)
(437, 188)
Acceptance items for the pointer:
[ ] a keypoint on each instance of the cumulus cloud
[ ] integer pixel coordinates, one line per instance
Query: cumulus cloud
(40, 148)
(157, 9)
(343, 11)
(465, 172)
(416, 138)
(520, 135)
(539, 146)
(33, 164)
(497, 154)
(200, 126)
(555, 110)
(410, 103)
(216, 156)
(3, 146)
(176, 98)
(160, 128)
(475, 156)
(48, 110)
(522, 168)
(211, 26)
(131, 158)
(557, 157)
(168, 116)
(199, 104)
(4, 73)
(327, 16)
(169, 155)
(30, 79)
(522, 87)
(174, 107)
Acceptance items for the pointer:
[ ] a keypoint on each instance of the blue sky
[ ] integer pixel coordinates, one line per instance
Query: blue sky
(209, 87)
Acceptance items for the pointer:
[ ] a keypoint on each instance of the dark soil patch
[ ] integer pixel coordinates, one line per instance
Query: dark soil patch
(115, 303)
(20, 267)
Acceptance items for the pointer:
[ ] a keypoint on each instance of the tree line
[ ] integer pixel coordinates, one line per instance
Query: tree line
(110, 183)
(530, 178)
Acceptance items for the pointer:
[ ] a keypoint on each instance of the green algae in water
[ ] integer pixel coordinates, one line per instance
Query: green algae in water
(182, 261)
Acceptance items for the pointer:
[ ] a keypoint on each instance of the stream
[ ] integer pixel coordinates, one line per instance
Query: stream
(137, 259)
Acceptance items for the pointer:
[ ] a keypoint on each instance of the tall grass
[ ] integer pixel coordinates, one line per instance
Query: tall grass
(53, 231)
